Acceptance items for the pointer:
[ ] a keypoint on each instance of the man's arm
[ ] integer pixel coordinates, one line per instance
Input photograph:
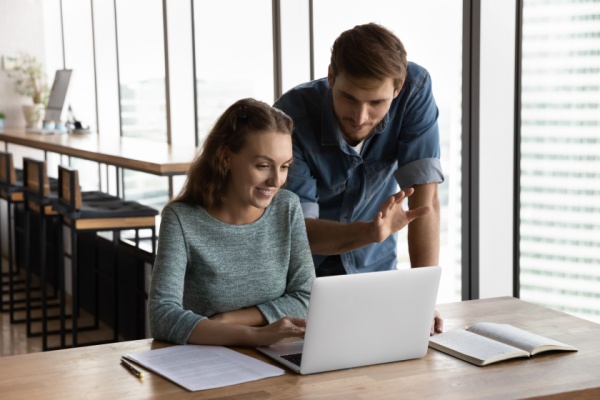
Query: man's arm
(331, 237)
(424, 233)
(424, 236)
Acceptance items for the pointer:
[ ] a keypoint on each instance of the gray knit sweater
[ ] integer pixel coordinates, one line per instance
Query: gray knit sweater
(204, 267)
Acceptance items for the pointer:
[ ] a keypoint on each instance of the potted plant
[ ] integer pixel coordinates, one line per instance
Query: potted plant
(2, 116)
(30, 80)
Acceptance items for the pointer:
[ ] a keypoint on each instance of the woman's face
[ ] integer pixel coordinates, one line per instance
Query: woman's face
(256, 173)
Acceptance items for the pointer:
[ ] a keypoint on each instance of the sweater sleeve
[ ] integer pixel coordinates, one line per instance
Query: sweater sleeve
(301, 272)
(168, 319)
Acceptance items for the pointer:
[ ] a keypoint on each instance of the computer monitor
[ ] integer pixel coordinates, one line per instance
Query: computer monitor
(58, 95)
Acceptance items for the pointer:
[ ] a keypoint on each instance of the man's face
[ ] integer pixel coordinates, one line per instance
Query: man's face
(360, 104)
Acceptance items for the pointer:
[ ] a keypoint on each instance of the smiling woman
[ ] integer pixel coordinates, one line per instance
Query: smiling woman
(257, 172)
(233, 266)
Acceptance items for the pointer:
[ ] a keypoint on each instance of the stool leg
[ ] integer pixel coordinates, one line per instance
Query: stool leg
(27, 274)
(116, 284)
(2, 302)
(139, 286)
(96, 283)
(43, 282)
(14, 268)
(74, 286)
(61, 283)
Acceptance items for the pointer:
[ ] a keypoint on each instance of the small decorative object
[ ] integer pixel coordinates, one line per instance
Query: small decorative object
(60, 126)
(2, 117)
(30, 80)
(34, 115)
(49, 125)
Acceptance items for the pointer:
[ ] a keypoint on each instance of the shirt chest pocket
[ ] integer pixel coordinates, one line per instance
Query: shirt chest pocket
(378, 174)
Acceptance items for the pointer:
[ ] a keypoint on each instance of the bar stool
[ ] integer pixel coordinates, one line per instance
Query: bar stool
(11, 190)
(40, 198)
(92, 215)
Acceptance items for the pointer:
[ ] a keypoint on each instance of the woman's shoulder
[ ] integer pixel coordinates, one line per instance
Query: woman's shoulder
(180, 209)
(285, 196)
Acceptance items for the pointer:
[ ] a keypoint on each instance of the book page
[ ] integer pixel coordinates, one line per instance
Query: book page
(517, 337)
(196, 367)
(474, 348)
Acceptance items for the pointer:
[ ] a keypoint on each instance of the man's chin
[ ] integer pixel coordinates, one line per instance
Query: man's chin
(352, 135)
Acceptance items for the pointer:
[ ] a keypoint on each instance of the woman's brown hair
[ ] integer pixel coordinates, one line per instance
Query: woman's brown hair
(207, 176)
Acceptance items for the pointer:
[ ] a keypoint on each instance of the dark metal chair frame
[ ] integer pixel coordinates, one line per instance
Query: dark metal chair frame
(97, 215)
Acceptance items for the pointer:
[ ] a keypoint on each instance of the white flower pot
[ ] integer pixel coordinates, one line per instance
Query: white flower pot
(34, 115)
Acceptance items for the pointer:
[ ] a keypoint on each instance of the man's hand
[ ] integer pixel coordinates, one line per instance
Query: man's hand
(437, 325)
(392, 217)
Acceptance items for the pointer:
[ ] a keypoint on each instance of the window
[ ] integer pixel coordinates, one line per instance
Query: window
(560, 156)
(124, 81)
(234, 56)
(441, 55)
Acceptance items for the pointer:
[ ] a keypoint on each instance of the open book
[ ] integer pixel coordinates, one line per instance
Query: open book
(485, 343)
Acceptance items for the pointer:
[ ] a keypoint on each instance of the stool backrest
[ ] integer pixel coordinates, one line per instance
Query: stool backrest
(35, 177)
(69, 192)
(8, 175)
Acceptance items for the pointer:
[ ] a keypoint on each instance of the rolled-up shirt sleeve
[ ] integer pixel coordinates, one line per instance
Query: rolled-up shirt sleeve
(301, 182)
(419, 144)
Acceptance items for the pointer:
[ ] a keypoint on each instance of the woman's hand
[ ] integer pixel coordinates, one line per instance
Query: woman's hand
(286, 327)
(215, 332)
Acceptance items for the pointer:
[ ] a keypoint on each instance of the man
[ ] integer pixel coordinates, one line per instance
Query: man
(366, 129)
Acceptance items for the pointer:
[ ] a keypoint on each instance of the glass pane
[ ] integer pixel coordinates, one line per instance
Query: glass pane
(295, 43)
(439, 50)
(560, 156)
(142, 89)
(142, 68)
(234, 55)
(79, 57)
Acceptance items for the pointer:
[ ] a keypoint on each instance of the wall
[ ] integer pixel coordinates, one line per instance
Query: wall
(21, 30)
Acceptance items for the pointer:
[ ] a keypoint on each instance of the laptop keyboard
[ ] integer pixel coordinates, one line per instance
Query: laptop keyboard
(293, 358)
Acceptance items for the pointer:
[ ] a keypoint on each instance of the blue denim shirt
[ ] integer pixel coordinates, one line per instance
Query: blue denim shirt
(335, 183)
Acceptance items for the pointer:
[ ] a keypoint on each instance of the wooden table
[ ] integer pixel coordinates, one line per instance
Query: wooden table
(94, 372)
(129, 153)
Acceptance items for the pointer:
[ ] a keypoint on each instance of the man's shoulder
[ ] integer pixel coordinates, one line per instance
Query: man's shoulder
(416, 74)
(303, 98)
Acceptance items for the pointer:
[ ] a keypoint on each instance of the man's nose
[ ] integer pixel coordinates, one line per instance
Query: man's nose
(361, 114)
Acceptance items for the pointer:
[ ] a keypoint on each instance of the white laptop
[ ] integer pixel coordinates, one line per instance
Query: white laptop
(363, 319)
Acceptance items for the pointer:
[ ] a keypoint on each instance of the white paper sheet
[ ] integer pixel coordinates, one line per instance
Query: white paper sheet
(197, 367)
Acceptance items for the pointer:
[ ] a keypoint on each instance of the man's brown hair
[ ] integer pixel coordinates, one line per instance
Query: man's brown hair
(369, 51)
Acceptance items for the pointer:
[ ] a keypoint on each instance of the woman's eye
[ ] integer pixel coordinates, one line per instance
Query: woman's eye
(262, 166)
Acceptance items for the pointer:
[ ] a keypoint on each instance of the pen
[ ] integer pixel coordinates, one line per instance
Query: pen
(131, 368)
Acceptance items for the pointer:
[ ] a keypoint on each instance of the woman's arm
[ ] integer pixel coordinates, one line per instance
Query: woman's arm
(210, 332)
(169, 321)
(250, 316)
(300, 271)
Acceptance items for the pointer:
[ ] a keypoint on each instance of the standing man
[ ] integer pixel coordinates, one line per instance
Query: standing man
(366, 129)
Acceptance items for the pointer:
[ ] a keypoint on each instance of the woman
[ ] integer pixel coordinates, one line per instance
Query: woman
(233, 265)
